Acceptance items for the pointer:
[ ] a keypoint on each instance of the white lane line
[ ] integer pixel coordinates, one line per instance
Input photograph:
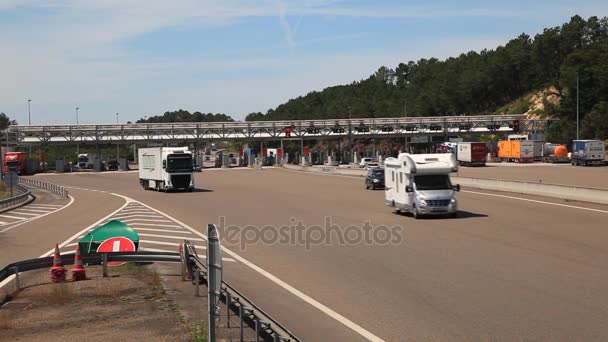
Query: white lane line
(536, 201)
(135, 211)
(71, 244)
(14, 217)
(166, 251)
(174, 244)
(329, 312)
(72, 200)
(22, 213)
(45, 205)
(146, 220)
(40, 211)
(157, 225)
(169, 237)
(173, 231)
(121, 217)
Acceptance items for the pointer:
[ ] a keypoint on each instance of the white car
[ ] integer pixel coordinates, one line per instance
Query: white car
(365, 161)
(372, 165)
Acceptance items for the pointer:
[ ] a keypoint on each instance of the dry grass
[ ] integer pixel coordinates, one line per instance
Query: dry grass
(60, 293)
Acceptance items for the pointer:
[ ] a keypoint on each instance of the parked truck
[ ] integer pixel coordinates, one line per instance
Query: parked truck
(420, 184)
(166, 168)
(587, 152)
(555, 153)
(520, 151)
(87, 160)
(15, 161)
(471, 153)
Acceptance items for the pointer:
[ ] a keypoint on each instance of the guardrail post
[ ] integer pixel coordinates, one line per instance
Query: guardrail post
(197, 278)
(228, 300)
(104, 267)
(241, 317)
(17, 278)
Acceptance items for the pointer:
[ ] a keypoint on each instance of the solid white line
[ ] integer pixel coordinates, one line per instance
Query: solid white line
(45, 205)
(72, 200)
(14, 217)
(175, 231)
(175, 244)
(22, 213)
(121, 217)
(169, 237)
(536, 201)
(146, 220)
(36, 210)
(331, 313)
(157, 225)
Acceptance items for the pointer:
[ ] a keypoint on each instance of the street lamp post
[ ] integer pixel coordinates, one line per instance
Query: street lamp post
(29, 112)
(77, 144)
(577, 106)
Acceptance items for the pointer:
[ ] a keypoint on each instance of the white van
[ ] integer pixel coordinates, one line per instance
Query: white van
(420, 184)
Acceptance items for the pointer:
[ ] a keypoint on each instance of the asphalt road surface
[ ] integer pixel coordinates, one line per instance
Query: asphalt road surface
(511, 268)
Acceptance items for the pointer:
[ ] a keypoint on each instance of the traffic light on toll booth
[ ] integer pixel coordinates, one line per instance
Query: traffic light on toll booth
(516, 125)
(337, 129)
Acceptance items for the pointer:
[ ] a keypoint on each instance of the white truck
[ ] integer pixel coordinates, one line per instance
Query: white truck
(420, 184)
(166, 168)
(87, 160)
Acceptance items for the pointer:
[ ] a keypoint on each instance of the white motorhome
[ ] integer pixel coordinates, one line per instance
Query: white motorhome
(166, 168)
(420, 184)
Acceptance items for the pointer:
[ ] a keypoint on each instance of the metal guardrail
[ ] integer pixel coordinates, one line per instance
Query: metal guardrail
(266, 328)
(24, 194)
(58, 189)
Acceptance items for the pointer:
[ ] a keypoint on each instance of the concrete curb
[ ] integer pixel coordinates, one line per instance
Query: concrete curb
(527, 188)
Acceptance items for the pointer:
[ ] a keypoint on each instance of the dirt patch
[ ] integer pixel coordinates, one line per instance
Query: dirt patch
(130, 305)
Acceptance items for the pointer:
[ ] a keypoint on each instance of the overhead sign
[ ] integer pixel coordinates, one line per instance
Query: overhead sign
(116, 244)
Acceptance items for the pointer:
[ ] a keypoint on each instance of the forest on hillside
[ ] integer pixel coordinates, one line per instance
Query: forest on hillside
(481, 82)
(186, 116)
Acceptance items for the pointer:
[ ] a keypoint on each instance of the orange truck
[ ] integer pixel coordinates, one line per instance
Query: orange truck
(520, 151)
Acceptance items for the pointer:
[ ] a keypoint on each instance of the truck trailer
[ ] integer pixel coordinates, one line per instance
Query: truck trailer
(555, 153)
(520, 151)
(166, 168)
(420, 184)
(471, 153)
(587, 152)
(87, 160)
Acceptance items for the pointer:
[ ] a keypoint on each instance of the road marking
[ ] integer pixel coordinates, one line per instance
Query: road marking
(14, 217)
(174, 244)
(169, 237)
(536, 201)
(146, 220)
(121, 217)
(175, 231)
(157, 225)
(22, 213)
(35, 210)
(329, 312)
(135, 211)
(45, 205)
(166, 251)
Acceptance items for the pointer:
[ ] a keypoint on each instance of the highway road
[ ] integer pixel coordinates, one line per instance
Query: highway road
(511, 268)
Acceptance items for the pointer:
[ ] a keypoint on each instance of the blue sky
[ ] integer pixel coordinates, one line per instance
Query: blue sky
(144, 57)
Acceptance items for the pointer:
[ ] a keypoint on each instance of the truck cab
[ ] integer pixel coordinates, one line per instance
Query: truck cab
(420, 184)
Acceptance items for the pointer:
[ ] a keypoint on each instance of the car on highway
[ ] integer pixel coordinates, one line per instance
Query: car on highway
(364, 161)
(374, 179)
(371, 166)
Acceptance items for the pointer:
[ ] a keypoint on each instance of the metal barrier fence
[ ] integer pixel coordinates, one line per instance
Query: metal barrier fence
(58, 189)
(24, 194)
(266, 328)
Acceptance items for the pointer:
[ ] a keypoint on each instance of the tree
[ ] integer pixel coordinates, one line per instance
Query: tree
(5, 121)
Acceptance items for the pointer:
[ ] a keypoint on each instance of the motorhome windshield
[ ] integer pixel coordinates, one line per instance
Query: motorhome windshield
(178, 162)
(432, 182)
